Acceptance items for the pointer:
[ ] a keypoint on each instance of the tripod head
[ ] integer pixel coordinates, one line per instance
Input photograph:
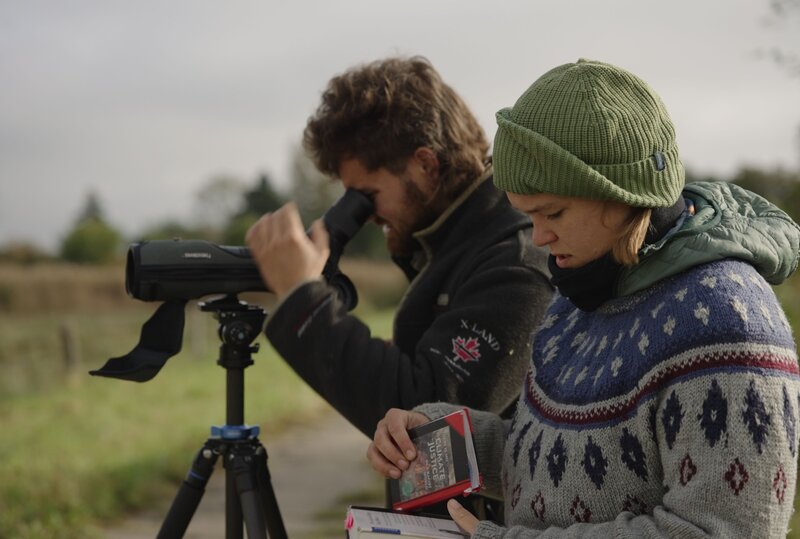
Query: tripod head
(239, 325)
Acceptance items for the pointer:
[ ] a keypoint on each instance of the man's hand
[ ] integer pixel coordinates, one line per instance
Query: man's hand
(285, 256)
(391, 449)
(463, 518)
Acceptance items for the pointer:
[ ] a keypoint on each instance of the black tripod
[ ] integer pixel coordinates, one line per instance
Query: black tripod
(249, 497)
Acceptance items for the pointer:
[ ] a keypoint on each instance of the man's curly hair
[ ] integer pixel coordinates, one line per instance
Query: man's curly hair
(381, 112)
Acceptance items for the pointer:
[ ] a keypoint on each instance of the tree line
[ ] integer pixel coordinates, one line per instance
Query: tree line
(225, 208)
(228, 206)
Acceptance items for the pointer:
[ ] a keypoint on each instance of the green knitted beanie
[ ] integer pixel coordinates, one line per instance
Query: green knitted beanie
(589, 130)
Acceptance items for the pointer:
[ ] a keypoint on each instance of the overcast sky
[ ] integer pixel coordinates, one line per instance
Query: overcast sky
(142, 102)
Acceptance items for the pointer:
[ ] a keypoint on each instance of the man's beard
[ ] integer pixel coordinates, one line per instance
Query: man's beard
(423, 211)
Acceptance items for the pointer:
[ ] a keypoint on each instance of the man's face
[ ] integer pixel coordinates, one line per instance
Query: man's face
(401, 202)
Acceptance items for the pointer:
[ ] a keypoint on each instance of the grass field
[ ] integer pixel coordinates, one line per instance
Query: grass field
(91, 451)
(76, 450)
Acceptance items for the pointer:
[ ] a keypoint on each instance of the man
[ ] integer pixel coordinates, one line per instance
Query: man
(393, 130)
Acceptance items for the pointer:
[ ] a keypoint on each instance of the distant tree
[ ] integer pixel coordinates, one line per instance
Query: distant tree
(237, 227)
(255, 202)
(692, 176)
(171, 229)
(797, 145)
(91, 209)
(218, 200)
(779, 186)
(262, 198)
(313, 192)
(91, 240)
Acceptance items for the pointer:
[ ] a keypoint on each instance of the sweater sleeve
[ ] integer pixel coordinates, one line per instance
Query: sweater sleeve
(363, 377)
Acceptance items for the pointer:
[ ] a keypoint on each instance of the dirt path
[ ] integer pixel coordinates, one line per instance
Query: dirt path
(317, 470)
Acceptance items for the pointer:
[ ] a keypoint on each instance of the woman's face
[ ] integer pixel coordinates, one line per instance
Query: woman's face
(576, 230)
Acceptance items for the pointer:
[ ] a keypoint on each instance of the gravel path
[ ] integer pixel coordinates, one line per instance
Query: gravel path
(317, 470)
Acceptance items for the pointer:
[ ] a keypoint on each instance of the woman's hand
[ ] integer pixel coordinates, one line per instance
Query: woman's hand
(463, 518)
(391, 449)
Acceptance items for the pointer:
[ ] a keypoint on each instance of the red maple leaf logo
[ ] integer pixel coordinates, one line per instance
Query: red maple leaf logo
(466, 349)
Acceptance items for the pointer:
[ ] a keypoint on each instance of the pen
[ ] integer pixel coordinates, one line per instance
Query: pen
(378, 529)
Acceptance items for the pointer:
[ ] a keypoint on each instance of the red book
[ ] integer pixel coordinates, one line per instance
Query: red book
(445, 465)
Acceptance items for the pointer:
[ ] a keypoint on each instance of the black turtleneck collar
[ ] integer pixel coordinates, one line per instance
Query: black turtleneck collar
(589, 286)
(663, 219)
(593, 284)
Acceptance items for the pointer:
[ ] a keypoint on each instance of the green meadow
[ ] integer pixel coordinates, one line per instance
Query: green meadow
(77, 451)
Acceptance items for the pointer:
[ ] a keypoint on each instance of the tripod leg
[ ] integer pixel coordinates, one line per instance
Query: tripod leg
(247, 488)
(271, 510)
(234, 528)
(189, 495)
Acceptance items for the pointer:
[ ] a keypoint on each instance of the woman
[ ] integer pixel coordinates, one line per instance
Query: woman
(662, 396)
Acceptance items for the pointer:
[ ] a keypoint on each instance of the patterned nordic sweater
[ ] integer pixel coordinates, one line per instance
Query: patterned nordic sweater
(671, 412)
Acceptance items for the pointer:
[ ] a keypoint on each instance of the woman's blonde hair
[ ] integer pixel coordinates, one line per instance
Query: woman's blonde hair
(626, 249)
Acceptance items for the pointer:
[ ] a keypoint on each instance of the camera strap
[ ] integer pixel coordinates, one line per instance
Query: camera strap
(160, 339)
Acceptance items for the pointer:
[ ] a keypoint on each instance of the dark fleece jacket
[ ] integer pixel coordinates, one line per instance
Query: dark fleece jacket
(461, 333)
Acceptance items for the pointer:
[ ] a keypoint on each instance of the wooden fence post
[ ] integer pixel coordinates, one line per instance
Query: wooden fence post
(70, 351)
